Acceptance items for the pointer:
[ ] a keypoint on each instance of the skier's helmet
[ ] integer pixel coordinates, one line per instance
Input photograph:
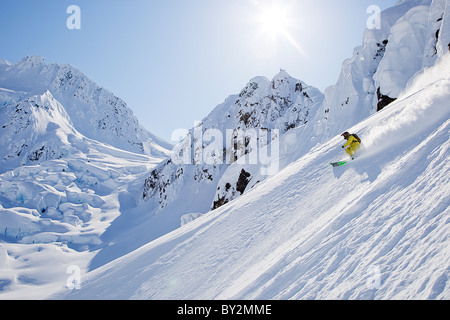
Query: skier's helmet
(346, 135)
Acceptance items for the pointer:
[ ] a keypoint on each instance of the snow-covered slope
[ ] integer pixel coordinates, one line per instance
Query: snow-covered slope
(95, 112)
(374, 229)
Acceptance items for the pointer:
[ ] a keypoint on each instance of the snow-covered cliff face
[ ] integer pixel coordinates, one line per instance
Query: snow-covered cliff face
(413, 34)
(235, 133)
(33, 130)
(94, 112)
(283, 103)
(439, 26)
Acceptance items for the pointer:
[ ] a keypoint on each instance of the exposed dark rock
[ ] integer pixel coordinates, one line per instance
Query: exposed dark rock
(243, 181)
(383, 100)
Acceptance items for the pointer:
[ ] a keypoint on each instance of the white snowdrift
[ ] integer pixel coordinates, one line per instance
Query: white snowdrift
(374, 229)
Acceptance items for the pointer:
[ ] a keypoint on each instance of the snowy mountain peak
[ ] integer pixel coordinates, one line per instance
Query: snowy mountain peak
(94, 111)
(34, 129)
(4, 62)
(283, 74)
(30, 62)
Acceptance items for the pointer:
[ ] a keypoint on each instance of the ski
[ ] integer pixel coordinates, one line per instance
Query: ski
(338, 164)
(341, 163)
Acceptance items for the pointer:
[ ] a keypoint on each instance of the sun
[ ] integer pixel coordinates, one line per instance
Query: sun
(274, 21)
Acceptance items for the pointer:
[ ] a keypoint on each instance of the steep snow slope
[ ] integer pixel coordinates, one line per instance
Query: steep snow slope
(95, 112)
(374, 229)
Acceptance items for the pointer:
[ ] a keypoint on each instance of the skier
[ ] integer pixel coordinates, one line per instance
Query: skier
(353, 143)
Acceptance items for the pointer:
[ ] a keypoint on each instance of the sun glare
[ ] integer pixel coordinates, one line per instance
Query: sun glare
(275, 21)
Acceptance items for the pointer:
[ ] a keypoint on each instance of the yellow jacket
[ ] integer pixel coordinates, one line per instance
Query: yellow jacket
(351, 140)
(354, 145)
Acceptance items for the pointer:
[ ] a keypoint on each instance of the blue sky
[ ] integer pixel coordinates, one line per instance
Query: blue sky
(173, 61)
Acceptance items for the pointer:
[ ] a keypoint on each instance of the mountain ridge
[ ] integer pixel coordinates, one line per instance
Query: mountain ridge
(94, 111)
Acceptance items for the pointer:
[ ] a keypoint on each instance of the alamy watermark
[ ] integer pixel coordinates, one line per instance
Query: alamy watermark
(74, 20)
(213, 147)
(74, 280)
(374, 21)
